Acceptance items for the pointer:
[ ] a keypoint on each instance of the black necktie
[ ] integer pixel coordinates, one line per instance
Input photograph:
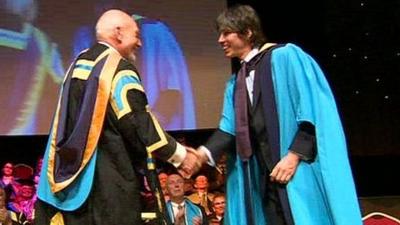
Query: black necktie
(241, 115)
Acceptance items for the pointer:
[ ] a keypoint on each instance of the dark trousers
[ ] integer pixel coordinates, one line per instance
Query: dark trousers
(272, 204)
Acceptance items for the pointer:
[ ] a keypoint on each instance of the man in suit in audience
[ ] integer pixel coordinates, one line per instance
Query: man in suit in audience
(201, 196)
(181, 210)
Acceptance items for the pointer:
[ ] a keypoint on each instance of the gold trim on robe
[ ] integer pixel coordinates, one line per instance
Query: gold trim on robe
(103, 93)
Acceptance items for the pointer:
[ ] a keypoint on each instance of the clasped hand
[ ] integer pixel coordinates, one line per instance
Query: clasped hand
(192, 162)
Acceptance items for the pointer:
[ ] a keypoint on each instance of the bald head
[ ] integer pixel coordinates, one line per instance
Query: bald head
(119, 30)
(110, 20)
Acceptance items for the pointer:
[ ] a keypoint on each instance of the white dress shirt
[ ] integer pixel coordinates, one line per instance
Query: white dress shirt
(250, 78)
(250, 87)
(176, 207)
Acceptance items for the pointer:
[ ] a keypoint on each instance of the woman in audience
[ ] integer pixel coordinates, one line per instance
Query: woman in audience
(7, 181)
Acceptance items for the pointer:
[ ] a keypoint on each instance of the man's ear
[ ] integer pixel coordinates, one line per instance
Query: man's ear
(249, 34)
(118, 34)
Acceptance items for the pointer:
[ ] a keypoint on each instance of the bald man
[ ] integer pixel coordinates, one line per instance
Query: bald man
(102, 132)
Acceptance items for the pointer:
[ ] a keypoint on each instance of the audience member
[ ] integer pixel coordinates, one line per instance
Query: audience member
(5, 218)
(162, 177)
(218, 206)
(7, 181)
(201, 195)
(181, 210)
(8, 217)
(25, 199)
(188, 186)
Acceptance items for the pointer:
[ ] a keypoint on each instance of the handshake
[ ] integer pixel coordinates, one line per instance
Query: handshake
(192, 163)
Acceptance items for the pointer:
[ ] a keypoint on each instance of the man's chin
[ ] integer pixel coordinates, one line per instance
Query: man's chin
(228, 55)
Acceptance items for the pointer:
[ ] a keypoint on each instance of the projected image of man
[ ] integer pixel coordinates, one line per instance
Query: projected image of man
(30, 66)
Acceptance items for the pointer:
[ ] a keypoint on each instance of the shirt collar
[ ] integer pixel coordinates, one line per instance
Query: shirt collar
(175, 205)
(251, 54)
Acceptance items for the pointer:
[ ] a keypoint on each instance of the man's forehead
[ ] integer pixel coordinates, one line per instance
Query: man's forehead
(201, 177)
(219, 199)
(174, 177)
(163, 175)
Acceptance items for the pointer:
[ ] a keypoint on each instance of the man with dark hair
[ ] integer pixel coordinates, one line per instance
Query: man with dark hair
(290, 165)
(103, 133)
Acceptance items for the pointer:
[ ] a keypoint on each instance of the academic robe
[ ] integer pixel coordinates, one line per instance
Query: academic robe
(164, 69)
(321, 192)
(102, 132)
(206, 204)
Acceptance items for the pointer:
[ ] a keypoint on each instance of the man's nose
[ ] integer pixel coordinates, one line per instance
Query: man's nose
(221, 38)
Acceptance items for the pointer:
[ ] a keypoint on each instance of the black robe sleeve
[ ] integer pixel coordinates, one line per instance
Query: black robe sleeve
(220, 142)
(304, 142)
(136, 122)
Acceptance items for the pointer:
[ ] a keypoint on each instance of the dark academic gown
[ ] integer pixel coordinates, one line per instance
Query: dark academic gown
(293, 107)
(102, 132)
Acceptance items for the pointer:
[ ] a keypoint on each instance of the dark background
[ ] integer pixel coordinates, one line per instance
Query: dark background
(357, 44)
